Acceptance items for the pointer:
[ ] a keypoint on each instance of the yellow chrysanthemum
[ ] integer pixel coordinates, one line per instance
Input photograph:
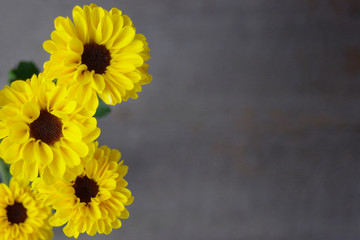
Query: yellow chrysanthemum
(43, 130)
(93, 201)
(21, 215)
(99, 53)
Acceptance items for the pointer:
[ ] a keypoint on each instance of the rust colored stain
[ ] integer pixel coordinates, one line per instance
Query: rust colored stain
(349, 8)
(352, 60)
(237, 154)
(301, 126)
(300, 123)
(121, 113)
(258, 128)
(290, 125)
(247, 120)
(340, 8)
(313, 4)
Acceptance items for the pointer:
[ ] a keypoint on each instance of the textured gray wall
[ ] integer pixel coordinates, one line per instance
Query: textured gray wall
(250, 129)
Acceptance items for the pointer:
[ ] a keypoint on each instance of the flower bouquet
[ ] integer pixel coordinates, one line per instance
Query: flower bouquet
(61, 176)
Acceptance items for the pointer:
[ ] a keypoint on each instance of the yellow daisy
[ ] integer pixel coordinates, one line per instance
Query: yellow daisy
(42, 129)
(93, 201)
(99, 53)
(21, 215)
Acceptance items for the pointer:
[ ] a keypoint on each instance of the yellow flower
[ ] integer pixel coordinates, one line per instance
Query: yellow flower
(21, 215)
(43, 130)
(93, 201)
(99, 53)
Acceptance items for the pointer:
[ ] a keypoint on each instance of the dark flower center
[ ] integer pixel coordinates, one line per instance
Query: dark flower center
(47, 128)
(96, 57)
(85, 189)
(16, 213)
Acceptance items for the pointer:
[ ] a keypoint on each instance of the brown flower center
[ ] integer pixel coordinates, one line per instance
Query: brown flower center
(85, 188)
(16, 213)
(47, 128)
(96, 57)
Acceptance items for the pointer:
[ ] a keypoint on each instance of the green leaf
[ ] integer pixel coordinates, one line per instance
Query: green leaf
(23, 71)
(102, 109)
(5, 172)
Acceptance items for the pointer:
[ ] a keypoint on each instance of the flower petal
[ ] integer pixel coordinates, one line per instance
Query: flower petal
(10, 151)
(49, 46)
(126, 35)
(93, 211)
(44, 152)
(69, 156)
(30, 170)
(81, 26)
(76, 46)
(58, 94)
(71, 132)
(80, 147)
(116, 224)
(57, 165)
(82, 75)
(19, 133)
(104, 30)
(29, 151)
(30, 111)
(98, 83)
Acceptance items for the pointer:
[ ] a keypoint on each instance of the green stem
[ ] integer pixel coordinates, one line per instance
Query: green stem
(4, 172)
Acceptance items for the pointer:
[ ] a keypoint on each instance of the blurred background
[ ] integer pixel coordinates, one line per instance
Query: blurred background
(251, 126)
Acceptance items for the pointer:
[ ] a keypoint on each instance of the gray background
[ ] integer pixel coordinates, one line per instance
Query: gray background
(250, 128)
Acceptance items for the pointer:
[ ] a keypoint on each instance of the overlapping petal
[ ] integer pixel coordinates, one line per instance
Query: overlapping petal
(34, 225)
(43, 127)
(94, 200)
(109, 34)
